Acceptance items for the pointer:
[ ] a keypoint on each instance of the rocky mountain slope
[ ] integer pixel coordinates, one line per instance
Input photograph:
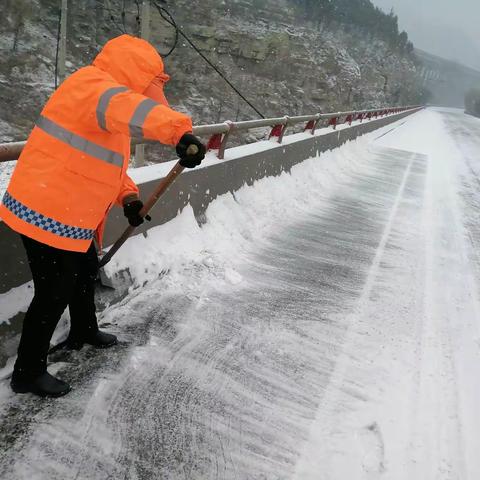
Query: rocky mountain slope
(284, 63)
(447, 81)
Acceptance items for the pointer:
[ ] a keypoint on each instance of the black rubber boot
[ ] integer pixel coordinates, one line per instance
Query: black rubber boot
(102, 340)
(99, 339)
(45, 385)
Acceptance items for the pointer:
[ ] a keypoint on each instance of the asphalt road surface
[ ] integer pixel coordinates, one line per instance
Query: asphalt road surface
(342, 344)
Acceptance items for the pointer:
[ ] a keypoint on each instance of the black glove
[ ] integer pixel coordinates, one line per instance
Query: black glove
(132, 211)
(187, 159)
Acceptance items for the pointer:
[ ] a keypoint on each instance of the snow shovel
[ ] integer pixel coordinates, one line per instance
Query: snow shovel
(162, 187)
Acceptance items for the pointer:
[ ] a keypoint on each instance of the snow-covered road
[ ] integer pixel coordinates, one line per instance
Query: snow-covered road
(321, 325)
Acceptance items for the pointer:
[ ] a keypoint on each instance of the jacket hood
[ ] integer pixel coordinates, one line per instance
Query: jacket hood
(131, 61)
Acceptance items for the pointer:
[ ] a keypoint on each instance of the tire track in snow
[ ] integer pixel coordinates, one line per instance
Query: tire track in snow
(459, 251)
(336, 384)
(436, 449)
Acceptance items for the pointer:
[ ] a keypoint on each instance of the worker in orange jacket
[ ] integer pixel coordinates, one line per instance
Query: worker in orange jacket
(72, 170)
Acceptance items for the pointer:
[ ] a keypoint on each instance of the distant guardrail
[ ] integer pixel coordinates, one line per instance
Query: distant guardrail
(220, 133)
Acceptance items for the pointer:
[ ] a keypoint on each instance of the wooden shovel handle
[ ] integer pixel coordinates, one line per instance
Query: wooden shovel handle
(162, 187)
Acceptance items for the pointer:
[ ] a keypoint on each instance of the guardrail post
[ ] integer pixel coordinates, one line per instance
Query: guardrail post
(218, 141)
(276, 131)
(333, 122)
(215, 142)
(312, 124)
(223, 143)
(279, 130)
(280, 138)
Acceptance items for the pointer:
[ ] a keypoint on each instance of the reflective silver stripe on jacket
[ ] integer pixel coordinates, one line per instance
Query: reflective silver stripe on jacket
(139, 116)
(103, 104)
(80, 143)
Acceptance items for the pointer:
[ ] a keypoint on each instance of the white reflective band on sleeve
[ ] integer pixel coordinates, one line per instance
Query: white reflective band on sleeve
(80, 143)
(139, 116)
(103, 105)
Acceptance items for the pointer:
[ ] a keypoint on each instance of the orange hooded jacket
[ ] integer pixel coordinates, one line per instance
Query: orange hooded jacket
(73, 167)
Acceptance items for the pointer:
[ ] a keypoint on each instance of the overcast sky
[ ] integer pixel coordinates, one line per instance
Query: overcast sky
(449, 28)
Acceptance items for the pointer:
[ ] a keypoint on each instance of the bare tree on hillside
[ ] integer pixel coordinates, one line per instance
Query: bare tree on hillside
(21, 11)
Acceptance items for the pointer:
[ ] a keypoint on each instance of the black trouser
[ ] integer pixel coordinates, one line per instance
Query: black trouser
(61, 278)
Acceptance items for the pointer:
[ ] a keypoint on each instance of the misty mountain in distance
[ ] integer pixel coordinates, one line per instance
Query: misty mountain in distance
(441, 27)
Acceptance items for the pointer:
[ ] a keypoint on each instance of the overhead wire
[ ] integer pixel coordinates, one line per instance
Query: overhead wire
(168, 17)
(165, 14)
(172, 22)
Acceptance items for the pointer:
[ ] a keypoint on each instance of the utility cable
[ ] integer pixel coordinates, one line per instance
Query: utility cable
(57, 50)
(169, 19)
(165, 14)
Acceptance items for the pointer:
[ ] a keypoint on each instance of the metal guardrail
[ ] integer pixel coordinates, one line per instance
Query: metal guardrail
(219, 133)
(10, 151)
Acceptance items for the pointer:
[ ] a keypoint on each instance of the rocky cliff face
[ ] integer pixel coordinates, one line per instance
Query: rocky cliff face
(282, 63)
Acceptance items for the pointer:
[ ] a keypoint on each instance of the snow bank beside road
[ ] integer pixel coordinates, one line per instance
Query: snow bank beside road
(249, 214)
(235, 221)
